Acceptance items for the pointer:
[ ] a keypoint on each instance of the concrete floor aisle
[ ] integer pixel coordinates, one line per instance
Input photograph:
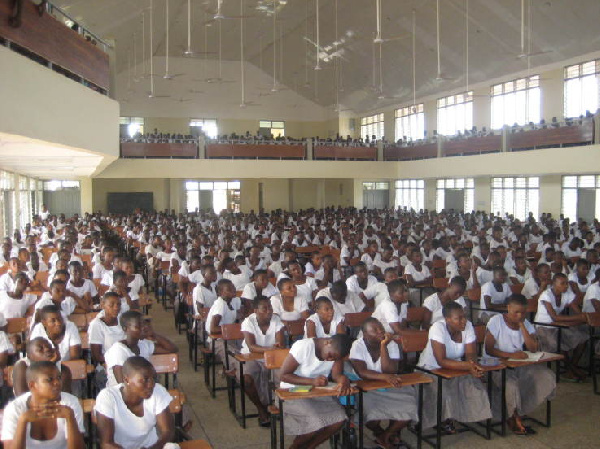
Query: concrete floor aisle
(575, 418)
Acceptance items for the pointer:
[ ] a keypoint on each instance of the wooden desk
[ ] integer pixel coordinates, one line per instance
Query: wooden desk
(407, 381)
(284, 394)
(243, 359)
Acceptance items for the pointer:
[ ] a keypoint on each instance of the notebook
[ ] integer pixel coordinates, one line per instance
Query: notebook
(531, 357)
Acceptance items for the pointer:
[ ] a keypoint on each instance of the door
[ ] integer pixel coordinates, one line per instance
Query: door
(454, 199)
(206, 200)
(586, 204)
(375, 199)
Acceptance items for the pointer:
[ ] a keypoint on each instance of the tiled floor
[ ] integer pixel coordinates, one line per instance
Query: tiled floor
(576, 413)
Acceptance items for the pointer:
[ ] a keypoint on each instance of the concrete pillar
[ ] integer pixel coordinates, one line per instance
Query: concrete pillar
(504, 139)
(440, 145)
(86, 194)
(320, 194)
(597, 128)
(309, 149)
(201, 148)
(380, 150)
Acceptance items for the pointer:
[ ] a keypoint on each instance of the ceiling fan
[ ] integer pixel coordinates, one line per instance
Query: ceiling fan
(378, 39)
(243, 103)
(181, 100)
(527, 53)
(151, 93)
(439, 76)
(219, 15)
(218, 79)
(167, 75)
(187, 52)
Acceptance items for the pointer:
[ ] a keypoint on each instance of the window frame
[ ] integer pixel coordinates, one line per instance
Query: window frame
(372, 125)
(454, 103)
(409, 117)
(574, 75)
(410, 191)
(501, 93)
(511, 189)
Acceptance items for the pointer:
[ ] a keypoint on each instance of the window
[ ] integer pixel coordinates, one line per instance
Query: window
(410, 194)
(274, 128)
(581, 88)
(516, 101)
(376, 185)
(447, 186)
(455, 113)
(372, 126)
(219, 194)
(410, 122)
(132, 125)
(60, 185)
(516, 196)
(574, 198)
(207, 126)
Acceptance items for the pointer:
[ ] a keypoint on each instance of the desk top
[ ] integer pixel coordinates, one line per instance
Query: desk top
(452, 373)
(548, 357)
(406, 379)
(249, 357)
(317, 392)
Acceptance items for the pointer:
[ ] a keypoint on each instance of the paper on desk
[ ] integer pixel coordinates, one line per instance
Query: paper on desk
(531, 357)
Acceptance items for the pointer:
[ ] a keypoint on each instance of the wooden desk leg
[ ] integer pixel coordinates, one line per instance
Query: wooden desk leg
(360, 420)
(438, 431)
(420, 415)
(548, 413)
(504, 402)
(558, 345)
(281, 432)
(488, 422)
(243, 394)
(213, 390)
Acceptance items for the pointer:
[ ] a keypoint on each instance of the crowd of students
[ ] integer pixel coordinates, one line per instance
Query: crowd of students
(267, 270)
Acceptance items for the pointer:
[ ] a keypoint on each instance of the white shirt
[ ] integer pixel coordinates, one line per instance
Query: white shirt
(320, 275)
(320, 329)
(497, 297)
(135, 286)
(101, 334)
(530, 288)
(131, 431)
(359, 351)
(18, 406)
(387, 312)
(353, 303)
(71, 338)
(87, 287)
(378, 291)
(582, 287)
(309, 365)
(239, 280)
(418, 276)
(548, 296)
(220, 307)
(434, 305)
(7, 283)
(353, 286)
(203, 296)
(454, 350)
(15, 308)
(593, 292)
(484, 276)
(67, 306)
(119, 353)
(250, 324)
(250, 291)
(300, 305)
(507, 339)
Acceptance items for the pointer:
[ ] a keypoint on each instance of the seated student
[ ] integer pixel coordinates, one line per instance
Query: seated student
(135, 281)
(520, 273)
(121, 288)
(527, 387)
(552, 306)
(104, 330)
(538, 282)
(82, 290)
(6, 347)
(262, 331)
(63, 334)
(417, 275)
(343, 301)
(376, 357)
(204, 293)
(494, 294)
(305, 285)
(310, 362)
(135, 414)
(386, 261)
(240, 276)
(56, 296)
(279, 266)
(100, 269)
(371, 256)
(328, 273)
(225, 310)
(378, 292)
(45, 417)
(39, 350)
(323, 323)
(314, 264)
(360, 282)
(140, 339)
(392, 311)
(9, 279)
(434, 304)
(580, 279)
(452, 344)
(260, 286)
(288, 305)
(591, 300)
(17, 303)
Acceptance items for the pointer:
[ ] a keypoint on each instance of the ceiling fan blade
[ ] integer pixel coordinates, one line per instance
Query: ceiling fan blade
(169, 76)
(395, 38)
(532, 54)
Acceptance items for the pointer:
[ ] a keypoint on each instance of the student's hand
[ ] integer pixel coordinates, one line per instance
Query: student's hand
(320, 381)
(394, 380)
(518, 355)
(276, 346)
(476, 370)
(343, 386)
(387, 339)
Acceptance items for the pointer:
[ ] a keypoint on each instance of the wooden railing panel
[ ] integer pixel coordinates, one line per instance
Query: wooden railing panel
(335, 152)
(473, 145)
(134, 149)
(254, 151)
(425, 151)
(55, 42)
(565, 135)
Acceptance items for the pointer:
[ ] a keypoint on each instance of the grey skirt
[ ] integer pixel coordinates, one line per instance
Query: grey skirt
(527, 387)
(259, 373)
(464, 399)
(571, 337)
(398, 404)
(302, 416)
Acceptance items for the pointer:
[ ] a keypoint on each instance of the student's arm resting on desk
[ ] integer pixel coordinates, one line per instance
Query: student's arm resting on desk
(290, 364)
(250, 340)
(469, 364)
(337, 374)
(578, 318)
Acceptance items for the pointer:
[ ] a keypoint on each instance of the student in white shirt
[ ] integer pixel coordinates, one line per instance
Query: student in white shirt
(42, 412)
(104, 330)
(452, 344)
(80, 287)
(62, 334)
(323, 323)
(288, 305)
(434, 304)
(527, 387)
(262, 331)
(360, 282)
(306, 285)
(140, 340)
(9, 279)
(342, 300)
(551, 307)
(520, 272)
(205, 293)
(494, 294)
(310, 362)
(238, 275)
(16, 303)
(375, 356)
(223, 311)
(417, 275)
(260, 286)
(392, 311)
(591, 300)
(135, 414)
(328, 273)
(580, 279)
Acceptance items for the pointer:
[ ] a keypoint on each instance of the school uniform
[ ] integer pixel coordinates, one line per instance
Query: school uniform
(99, 333)
(527, 387)
(464, 398)
(320, 275)
(118, 354)
(399, 404)
(593, 292)
(571, 336)
(300, 305)
(302, 416)
(353, 303)
(70, 338)
(320, 329)
(203, 296)
(388, 312)
(435, 306)
(497, 297)
(582, 286)
(484, 276)
(228, 313)
(250, 291)
(15, 308)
